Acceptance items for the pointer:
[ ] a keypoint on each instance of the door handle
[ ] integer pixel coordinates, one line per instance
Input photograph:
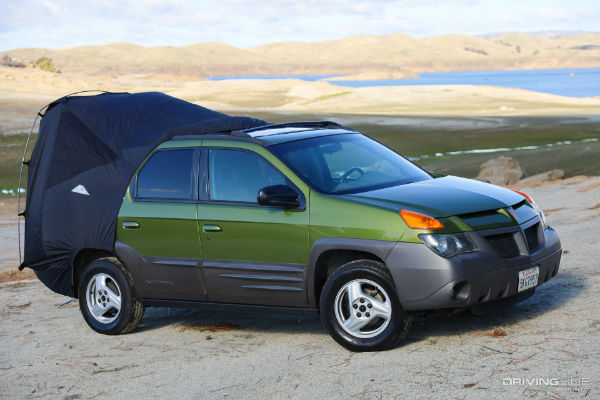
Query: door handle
(211, 228)
(130, 225)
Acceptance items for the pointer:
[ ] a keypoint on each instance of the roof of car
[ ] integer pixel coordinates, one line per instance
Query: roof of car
(278, 133)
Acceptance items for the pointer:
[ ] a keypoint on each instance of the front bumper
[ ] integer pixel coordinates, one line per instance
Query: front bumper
(426, 281)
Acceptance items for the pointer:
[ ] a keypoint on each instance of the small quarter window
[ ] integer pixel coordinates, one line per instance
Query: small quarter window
(167, 175)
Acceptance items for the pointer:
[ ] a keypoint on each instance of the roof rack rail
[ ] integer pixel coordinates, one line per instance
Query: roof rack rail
(299, 124)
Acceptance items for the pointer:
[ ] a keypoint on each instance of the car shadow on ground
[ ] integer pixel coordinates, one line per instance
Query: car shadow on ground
(552, 295)
(220, 320)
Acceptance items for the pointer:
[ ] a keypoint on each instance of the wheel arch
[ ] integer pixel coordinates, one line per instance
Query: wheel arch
(331, 253)
(83, 258)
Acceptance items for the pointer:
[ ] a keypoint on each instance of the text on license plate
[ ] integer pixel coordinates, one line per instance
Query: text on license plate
(528, 278)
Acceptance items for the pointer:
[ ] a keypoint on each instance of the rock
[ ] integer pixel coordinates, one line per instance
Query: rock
(548, 176)
(501, 171)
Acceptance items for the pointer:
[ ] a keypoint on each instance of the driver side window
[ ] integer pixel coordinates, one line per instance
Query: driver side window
(238, 175)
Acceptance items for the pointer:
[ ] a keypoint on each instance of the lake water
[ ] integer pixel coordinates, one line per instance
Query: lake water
(575, 82)
(505, 149)
(309, 78)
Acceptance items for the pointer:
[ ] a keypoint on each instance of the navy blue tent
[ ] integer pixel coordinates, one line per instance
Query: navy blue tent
(97, 142)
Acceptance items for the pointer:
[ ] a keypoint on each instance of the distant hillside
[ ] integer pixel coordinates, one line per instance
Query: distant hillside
(547, 34)
(363, 55)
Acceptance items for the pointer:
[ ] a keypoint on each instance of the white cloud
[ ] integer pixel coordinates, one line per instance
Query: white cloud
(53, 8)
(58, 23)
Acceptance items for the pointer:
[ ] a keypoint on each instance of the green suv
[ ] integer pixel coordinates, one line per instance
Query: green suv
(313, 217)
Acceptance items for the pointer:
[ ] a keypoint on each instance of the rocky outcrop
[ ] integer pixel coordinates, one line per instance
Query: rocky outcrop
(501, 171)
(506, 171)
(549, 176)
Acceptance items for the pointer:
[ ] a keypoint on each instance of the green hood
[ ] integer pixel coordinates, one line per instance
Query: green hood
(441, 197)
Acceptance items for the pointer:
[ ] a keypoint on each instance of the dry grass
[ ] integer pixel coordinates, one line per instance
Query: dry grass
(589, 187)
(497, 332)
(8, 208)
(553, 210)
(569, 181)
(14, 274)
(597, 206)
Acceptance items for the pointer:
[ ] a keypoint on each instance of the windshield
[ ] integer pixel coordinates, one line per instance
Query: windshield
(349, 163)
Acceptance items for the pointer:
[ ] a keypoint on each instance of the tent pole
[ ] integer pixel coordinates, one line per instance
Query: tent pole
(20, 181)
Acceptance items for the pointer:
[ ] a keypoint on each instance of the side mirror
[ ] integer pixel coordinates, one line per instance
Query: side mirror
(278, 196)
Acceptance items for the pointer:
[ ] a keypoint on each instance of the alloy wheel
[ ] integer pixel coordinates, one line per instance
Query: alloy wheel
(103, 298)
(363, 308)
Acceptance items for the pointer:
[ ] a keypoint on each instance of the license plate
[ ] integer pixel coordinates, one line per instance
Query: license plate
(528, 278)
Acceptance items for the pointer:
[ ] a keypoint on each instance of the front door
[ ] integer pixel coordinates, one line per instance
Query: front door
(158, 221)
(252, 254)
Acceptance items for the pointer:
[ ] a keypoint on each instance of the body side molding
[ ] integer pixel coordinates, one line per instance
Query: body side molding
(206, 305)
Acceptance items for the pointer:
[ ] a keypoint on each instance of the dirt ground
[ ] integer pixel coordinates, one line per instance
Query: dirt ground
(9, 252)
(545, 347)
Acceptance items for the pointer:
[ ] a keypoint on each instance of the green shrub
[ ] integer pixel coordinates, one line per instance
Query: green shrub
(45, 64)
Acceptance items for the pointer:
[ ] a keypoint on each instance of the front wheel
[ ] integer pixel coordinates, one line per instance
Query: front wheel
(360, 307)
(107, 298)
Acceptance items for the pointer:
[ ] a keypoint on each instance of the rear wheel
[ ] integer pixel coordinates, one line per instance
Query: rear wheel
(360, 307)
(107, 298)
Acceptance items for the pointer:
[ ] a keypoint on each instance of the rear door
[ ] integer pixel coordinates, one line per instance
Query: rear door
(253, 254)
(158, 226)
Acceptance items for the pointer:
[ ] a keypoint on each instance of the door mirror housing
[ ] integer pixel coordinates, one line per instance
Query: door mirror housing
(279, 196)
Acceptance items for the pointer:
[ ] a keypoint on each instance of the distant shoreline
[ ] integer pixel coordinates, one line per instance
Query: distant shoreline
(573, 82)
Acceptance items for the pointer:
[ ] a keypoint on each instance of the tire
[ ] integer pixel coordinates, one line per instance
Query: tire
(107, 298)
(374, 319)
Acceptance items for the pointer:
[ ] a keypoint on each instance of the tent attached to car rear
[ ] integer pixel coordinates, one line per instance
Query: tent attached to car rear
(87, 151)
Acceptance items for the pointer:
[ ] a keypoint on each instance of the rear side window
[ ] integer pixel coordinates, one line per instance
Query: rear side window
(236, 175)
(167, 175)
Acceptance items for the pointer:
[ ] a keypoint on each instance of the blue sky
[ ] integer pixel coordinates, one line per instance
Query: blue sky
(61, 23)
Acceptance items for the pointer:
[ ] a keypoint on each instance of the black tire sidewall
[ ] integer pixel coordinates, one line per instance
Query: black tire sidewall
(127, 296)
(362, 270)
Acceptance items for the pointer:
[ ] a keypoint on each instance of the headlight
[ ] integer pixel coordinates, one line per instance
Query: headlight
(448, 245)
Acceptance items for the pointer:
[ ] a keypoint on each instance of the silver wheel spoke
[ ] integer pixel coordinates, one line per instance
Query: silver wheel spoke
(100, 282)
(98, 310)
(355, 324)
(380, 308)
(354, 291)
(115, 299)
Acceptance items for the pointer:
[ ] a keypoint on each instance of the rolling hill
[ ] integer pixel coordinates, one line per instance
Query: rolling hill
(363, 55)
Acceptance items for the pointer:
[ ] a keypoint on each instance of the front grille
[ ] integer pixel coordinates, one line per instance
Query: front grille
(505, 245)
(531, 235)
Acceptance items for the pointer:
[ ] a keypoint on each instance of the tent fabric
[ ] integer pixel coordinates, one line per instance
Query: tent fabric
(87, 151)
